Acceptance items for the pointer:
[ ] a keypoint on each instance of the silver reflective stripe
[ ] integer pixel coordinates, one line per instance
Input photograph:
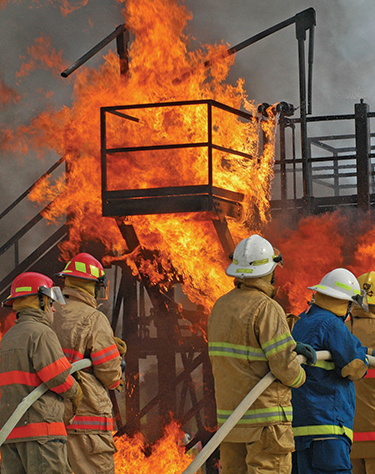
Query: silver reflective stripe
(260, 415)
(278, 344)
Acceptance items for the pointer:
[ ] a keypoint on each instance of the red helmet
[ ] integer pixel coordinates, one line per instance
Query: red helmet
(31, 283)
(85, 266)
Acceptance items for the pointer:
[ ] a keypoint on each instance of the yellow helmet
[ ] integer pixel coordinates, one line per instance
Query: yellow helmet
(367, 282)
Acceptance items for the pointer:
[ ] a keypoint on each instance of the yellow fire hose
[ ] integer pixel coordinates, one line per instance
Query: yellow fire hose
(241, 410)
(31, 398)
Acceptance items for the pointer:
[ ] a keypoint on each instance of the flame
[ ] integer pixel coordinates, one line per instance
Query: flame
(7, 94)
(42, 55)
(161, 68)
(167, 454)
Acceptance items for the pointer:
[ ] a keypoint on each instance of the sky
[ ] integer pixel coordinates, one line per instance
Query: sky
(344, 63)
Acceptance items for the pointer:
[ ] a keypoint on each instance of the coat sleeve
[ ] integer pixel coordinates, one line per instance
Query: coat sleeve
(51, 366)
(347, 351)
(278, 345)
(104, 354)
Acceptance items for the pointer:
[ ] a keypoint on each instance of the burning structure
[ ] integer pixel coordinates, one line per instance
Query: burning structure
(167, 166)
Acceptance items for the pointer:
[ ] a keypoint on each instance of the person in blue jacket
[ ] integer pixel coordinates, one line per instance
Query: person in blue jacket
(323, 408)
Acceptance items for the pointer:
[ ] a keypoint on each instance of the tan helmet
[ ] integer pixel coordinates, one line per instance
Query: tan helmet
(367, 283)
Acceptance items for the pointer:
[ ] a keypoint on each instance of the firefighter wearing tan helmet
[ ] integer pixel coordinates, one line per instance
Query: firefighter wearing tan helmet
(31, 354)
(323, 408)
(248, 335)
(84, 331)
(362, 325)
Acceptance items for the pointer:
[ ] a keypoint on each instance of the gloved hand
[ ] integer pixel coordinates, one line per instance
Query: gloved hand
(121, 346)
(373, 353)
(120, 386)
(307, 351)
(77, 400)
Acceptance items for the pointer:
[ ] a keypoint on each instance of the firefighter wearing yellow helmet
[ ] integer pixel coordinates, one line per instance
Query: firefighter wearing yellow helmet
(84, 331)
(30, 355)
(248, 335)
(362, 325)
(323, 408)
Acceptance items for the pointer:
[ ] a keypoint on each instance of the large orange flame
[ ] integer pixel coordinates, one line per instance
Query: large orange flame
(162, 68)
(167, 454)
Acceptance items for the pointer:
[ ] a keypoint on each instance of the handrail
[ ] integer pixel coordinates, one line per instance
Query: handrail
(31, 223)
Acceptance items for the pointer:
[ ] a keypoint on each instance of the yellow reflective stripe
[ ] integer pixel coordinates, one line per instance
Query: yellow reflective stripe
(298, 379)
(259, 415)
(277, 344)
(260, 262)
(67, 265)
(94, 271)
(80, 267)
(324, 364)
(315, 430)
(237, 351)
(342, 285)
(23, 288)
(244, 270)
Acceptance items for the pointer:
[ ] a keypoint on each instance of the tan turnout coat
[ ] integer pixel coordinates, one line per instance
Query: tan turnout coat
(31, 354)
(248, 336)
(364, 420)
(85, 332)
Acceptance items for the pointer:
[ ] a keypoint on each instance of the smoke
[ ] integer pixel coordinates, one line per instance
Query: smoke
(315, 245)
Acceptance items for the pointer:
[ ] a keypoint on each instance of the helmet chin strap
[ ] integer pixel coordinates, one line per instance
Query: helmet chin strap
(349, 312)
(41, 302)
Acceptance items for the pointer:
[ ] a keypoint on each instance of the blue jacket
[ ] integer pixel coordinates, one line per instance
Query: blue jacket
(324, 406)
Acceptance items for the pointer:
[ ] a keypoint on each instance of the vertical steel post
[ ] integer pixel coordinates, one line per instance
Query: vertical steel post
(363, 150)
(130, 335)
(283, 183)
(304, 21)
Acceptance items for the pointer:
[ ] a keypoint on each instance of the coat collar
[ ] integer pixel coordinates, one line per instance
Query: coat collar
(80, 295)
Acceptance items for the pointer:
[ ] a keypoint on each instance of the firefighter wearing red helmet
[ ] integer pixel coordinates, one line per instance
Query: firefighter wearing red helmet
(84, 331)
(31, 354)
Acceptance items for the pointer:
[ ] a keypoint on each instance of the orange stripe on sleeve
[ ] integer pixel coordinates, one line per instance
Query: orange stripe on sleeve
(54, 369)
(105, 355)
(69, 382)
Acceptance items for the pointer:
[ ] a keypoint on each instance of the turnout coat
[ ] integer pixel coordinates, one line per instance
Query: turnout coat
(248, 335)
(85, 332)
(363, 327)
(31, 354)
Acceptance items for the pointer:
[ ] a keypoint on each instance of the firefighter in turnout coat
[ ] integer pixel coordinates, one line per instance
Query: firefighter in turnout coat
(248, 335)
(85, 332)
(31, 354)
(323, 409)
(362, 325)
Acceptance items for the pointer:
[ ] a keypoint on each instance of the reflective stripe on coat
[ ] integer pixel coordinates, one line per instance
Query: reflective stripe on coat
(85, 332)
(31, 354)
(248, 336)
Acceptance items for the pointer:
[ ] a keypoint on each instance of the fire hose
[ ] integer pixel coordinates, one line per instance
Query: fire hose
(242, 408)
(31, 398)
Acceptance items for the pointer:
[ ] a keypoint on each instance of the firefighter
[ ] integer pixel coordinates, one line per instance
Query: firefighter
(84, 331)
(31, 354)
(362, 325)
(248, 335)
(323, 409)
